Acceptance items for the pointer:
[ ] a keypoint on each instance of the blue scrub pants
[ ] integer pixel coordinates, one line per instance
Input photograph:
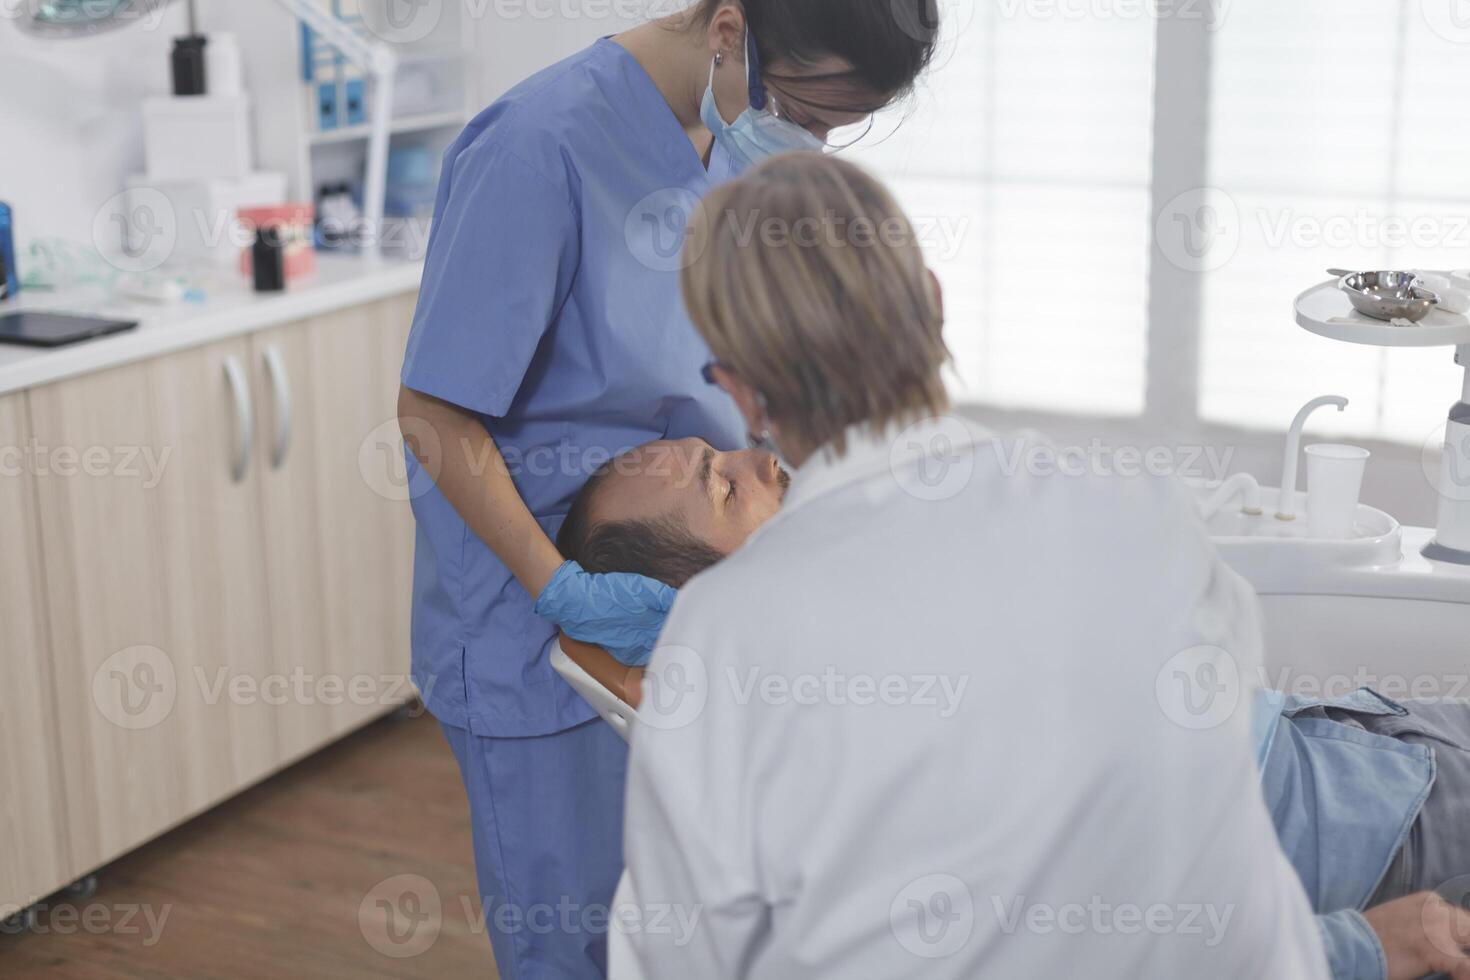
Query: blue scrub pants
(548, 828)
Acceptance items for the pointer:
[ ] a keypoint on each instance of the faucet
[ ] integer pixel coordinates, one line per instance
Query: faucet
(1286, 505)
(1241, 485)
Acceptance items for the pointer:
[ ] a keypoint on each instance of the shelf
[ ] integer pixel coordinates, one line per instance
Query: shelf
(406, 124)
(1325, 310)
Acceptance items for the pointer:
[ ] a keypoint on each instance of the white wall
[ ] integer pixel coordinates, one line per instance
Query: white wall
(517, 40)
(69, 119)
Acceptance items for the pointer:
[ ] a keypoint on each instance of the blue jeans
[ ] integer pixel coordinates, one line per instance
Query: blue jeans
(547, 813)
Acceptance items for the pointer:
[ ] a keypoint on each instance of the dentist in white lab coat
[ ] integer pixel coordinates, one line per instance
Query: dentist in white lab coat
(963, 708)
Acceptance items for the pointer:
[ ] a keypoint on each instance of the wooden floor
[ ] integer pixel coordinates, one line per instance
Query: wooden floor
(299, 877)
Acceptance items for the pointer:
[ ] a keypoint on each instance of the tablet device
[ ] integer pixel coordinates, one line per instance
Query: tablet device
(37, 329)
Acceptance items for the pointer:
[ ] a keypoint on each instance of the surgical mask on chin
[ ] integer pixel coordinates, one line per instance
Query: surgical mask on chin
(754, 135)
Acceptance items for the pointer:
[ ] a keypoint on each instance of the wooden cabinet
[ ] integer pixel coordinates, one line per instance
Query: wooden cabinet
(34, 857)
(365, 527)
(225, 580)
(339, 538)
(155, 579)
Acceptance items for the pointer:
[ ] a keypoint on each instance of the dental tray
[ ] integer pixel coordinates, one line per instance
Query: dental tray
(1326, 311)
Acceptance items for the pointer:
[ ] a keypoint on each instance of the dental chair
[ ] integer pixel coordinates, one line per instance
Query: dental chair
(596, 676)
(599, 679)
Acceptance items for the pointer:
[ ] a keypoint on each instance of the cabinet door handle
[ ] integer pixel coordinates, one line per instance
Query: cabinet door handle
(244, 420)
(275, 370)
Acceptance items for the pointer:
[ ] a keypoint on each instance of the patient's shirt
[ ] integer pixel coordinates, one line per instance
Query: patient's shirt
(1342, 798)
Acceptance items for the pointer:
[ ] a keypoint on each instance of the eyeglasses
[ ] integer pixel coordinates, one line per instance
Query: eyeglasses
(761, 100)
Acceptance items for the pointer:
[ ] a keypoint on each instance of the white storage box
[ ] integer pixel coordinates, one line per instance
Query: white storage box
(197, 137)
(205, 213)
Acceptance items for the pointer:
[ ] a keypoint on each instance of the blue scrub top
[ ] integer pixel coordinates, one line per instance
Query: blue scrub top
(550, 307)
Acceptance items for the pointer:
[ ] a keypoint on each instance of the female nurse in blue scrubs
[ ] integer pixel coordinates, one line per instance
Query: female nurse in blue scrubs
(549, 338)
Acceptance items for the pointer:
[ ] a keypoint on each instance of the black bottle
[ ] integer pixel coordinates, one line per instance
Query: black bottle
(268, 256)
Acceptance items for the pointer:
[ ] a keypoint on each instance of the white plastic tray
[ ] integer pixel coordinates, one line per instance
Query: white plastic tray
(1319, 306)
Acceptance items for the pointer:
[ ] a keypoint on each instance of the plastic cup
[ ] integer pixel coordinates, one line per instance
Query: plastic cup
(1334, 481)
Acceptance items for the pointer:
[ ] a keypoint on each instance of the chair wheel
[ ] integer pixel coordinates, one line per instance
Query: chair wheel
(18, 922)
(81, 889)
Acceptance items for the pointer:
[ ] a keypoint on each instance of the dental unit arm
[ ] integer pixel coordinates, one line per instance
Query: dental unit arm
(1286, 506)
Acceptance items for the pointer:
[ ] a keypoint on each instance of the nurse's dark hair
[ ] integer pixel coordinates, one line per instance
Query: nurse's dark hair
(889, 43)
(661, 548)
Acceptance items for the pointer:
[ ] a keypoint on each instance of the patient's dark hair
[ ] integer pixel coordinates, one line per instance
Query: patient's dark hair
(661, 548)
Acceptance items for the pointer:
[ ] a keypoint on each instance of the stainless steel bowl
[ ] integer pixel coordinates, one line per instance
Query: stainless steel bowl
(1387, 295)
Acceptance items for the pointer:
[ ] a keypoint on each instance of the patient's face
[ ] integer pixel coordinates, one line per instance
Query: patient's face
(720, 497)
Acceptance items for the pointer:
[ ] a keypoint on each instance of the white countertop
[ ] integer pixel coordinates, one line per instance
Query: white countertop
(231, 308)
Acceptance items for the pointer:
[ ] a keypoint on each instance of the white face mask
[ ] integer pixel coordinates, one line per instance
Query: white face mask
(757, 133)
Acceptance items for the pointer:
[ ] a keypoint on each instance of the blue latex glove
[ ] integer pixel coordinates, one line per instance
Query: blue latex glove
(621, 612)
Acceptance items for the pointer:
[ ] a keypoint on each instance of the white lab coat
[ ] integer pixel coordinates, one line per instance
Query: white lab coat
(923, 724)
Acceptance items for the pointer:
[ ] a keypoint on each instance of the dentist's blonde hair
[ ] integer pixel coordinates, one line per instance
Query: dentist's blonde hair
(806, 280)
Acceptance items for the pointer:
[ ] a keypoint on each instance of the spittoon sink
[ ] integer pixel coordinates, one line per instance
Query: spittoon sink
(1369, 610)
(1263, 548)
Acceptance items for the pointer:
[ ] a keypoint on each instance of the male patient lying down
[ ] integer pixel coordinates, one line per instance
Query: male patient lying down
(1370, 797)
(667, 510)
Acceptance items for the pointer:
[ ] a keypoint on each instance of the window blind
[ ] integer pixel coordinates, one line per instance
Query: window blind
(1024, 158)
